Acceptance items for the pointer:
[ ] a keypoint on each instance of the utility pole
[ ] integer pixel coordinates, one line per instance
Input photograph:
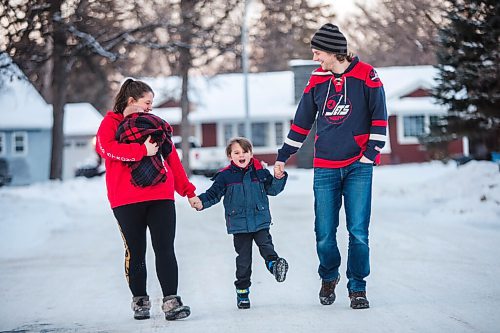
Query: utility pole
(244, 63)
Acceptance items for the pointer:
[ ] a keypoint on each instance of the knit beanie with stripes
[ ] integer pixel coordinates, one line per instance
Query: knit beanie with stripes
(329, 38)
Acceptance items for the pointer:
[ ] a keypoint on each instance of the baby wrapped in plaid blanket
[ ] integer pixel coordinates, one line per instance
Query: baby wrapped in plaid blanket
(136, 128)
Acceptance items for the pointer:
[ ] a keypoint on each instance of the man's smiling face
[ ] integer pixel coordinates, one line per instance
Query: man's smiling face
(325, 59)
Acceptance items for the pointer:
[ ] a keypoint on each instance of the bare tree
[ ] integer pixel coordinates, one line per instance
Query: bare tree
(283, 32)
(58, 34)
(396, 32)
(7, 69)
(197, 35)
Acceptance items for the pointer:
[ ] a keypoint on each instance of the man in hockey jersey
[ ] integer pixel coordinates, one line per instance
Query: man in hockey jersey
(346, 99)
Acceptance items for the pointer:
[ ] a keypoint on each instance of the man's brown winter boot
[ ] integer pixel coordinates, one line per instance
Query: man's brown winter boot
(359, 300)
(327, 292)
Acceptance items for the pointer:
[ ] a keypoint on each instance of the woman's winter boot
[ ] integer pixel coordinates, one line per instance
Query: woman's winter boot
(141, 306)
(174, 309)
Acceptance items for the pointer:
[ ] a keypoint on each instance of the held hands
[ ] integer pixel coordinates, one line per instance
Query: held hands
(195, 203)
(152, 147)
(279, 170)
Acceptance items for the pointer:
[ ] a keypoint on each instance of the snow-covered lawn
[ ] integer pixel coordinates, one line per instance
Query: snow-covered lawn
(435, 254)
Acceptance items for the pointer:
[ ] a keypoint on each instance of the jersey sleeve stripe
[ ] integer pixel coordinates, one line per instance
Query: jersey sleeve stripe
(377, 137)
(379, 123)
(293, 143)
(299, 130)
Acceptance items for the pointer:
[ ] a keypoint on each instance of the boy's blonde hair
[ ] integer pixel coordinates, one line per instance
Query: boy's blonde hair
(245, 144)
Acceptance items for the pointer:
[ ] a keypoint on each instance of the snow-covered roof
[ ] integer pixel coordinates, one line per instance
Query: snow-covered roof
(222, 97)
(302, 62)
(171, 115)
(401, 80)
(414, 105)
(271, 94)
(81, 119)
(22, 107)
(397, 80)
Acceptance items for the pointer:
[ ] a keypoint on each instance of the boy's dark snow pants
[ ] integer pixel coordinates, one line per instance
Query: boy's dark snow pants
(243, 245)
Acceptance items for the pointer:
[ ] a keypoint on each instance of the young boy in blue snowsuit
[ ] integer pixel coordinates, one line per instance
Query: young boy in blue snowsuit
(245, 185)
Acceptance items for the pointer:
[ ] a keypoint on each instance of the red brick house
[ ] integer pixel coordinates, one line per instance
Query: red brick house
(217, 108)
(411, 110)
(218, 113)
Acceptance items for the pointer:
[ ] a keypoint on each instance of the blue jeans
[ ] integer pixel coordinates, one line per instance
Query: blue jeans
(354, 183)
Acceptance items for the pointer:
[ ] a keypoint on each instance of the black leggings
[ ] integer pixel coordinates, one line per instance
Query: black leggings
(159, 217)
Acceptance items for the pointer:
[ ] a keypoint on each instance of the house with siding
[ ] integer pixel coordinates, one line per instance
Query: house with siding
(81, 121)
(26, 130)
(217, 111)
(411, 110)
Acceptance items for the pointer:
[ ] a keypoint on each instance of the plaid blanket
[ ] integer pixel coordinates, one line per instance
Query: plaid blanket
(135, 128)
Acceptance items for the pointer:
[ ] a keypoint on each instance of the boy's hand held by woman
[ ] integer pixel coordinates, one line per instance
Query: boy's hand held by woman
(195, 203)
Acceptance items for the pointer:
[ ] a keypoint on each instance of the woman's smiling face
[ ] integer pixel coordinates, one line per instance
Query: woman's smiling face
(239, 157)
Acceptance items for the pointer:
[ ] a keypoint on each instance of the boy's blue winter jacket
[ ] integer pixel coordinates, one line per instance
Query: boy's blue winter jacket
(245, 194)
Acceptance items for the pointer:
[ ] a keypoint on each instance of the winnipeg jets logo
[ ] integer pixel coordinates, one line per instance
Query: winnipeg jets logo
(337, 109)
(374, 75)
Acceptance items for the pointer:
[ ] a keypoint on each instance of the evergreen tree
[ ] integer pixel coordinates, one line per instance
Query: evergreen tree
(468, 80)
(52, 38)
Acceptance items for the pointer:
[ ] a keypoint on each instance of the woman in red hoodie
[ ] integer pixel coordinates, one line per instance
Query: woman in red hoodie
(137, 208)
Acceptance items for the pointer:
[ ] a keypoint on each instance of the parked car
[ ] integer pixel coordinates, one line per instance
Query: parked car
(5, 177)
(202, 160)
(91, 169)
(461, 160)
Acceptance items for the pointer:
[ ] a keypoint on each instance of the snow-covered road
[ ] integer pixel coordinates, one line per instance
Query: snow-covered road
(435, 249)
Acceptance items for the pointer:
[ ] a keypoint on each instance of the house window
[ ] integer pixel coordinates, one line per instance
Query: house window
(260, 134)
(2, 144)
(278, 128)
(81, 144)
(414, 126)
(228, 132)
(19, 143)
(241, 129)
(232, 130)
(434, 120)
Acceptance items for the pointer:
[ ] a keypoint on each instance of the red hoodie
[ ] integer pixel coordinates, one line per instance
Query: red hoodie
(120, 189)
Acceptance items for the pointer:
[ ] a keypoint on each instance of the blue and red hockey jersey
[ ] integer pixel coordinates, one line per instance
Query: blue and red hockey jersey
(351, 116)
